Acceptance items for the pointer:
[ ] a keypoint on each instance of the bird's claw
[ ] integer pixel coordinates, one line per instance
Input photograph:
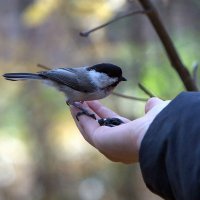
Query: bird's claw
(85, 113)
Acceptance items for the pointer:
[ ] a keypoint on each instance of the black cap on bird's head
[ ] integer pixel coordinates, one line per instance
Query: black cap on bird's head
(111, 70)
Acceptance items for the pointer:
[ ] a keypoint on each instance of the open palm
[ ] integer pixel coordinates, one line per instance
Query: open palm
(120, 143)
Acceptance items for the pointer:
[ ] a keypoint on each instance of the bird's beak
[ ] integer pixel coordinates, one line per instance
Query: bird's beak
(123, 79)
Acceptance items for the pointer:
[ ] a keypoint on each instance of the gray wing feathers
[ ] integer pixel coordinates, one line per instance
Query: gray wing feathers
(69, 77)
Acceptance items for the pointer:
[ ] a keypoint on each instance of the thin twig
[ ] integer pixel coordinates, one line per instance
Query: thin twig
(43, 67)
(87, 33)
(145, 90)
(129, 97)
(170, 49)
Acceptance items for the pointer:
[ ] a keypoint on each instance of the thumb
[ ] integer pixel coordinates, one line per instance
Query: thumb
(151, 103)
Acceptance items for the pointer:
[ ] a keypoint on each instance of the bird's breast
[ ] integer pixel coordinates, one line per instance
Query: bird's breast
(77, 96)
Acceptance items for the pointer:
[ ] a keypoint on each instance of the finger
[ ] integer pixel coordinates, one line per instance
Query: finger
(157, 109)
(86, 125)
(104, 112)
(76, 110)
(101, 110)
(73, 113)
(151, 103)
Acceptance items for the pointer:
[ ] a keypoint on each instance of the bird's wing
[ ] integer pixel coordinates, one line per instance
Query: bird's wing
(68, 77)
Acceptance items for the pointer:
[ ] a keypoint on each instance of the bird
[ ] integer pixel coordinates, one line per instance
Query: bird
(79, 84)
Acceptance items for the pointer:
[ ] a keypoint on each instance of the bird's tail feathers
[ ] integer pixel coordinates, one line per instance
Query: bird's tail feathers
(21, 76)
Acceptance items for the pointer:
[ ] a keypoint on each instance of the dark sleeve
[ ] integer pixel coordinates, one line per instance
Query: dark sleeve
(170, 151)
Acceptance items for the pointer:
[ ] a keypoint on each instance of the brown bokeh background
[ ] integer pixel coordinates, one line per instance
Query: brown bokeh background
(42, 154)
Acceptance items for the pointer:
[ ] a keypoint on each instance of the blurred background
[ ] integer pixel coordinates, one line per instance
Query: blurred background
(42, 154)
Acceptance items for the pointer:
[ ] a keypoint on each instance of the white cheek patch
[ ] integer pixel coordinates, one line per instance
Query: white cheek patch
(101, 80)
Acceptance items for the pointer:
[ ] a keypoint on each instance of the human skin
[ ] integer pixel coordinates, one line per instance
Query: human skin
(121, 143)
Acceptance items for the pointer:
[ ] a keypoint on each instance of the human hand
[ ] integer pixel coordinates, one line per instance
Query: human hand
(120, 143)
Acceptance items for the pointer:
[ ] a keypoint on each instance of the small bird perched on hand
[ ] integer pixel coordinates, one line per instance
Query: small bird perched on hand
(78, 84)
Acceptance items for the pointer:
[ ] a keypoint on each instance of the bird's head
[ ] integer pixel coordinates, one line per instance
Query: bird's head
(106, 74)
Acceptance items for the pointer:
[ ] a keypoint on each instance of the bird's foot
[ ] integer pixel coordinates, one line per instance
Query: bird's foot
(83, 111)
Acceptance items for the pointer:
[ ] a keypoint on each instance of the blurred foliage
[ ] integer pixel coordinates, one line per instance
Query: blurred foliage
(39, 11)
(42, 155)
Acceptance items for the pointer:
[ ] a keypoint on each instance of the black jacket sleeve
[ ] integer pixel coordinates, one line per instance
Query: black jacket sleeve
(170, 151)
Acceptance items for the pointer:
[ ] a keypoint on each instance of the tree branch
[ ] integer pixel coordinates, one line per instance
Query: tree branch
(87, 33)
(169, 46)
(145, 90)
(129, 97)
(43, 67)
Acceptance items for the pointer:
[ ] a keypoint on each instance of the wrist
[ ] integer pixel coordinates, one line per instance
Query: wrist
(145, 122)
